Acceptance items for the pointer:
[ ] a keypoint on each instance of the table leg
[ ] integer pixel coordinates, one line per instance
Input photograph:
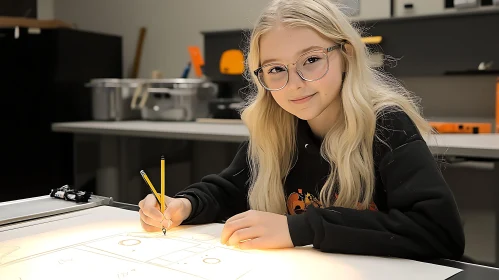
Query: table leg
(107, 177)
(132, 186)
(85, 161)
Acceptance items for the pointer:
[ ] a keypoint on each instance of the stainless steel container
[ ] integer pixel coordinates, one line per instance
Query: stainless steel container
(111, 99)
(177, 99)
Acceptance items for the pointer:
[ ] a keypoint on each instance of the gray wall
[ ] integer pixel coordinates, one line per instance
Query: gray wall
(455, 97)
(45, 9)
(171, 26)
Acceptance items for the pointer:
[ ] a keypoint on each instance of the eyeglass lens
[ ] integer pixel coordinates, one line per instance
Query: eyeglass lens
(310, 67)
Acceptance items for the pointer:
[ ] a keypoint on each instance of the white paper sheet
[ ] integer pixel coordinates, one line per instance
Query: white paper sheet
(108, 243)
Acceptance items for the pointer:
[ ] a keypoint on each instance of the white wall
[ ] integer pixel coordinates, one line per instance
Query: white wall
(45, 9)
(171, 26)
(429, 7)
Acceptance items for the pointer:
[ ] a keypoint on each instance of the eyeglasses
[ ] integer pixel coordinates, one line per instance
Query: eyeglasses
(310, 66)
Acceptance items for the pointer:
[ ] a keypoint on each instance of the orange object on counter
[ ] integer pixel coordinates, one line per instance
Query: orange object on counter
(232, 62)
(462, 127)
(196, 59)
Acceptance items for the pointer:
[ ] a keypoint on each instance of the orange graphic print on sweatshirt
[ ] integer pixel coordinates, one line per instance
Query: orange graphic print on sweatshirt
(298, 202)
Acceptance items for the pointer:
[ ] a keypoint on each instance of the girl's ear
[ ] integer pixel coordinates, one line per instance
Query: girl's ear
(348, 52)
(348, 49)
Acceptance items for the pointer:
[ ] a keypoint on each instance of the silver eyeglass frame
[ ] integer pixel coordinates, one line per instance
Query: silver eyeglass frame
(325, 50)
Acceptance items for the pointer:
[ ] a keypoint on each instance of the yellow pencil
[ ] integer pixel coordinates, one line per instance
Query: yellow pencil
(162, 197)
(144, 176)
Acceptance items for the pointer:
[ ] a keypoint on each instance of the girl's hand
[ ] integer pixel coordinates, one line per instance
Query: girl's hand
(151, 218)
(257, 230)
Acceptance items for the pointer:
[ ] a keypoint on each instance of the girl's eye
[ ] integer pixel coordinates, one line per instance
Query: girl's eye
(312, 59)
(276, 70)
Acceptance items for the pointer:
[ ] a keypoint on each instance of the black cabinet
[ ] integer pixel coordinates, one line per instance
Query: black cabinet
(435, 45)
(42, 81)
(439, 44)
(18, 8)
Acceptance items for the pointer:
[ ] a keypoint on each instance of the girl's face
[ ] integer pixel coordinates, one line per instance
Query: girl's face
(305, 99)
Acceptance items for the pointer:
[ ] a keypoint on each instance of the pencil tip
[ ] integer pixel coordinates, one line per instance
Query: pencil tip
(164, 231)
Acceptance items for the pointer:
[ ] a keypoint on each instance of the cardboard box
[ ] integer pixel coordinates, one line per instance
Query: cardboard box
(32, 23)
(497, 105)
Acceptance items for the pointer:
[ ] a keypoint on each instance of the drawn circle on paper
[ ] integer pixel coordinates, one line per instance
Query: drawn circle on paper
(129, 242)
(211, 260)
(202, 237)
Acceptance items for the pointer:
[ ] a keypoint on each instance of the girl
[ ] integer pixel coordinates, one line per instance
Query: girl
(336, 156)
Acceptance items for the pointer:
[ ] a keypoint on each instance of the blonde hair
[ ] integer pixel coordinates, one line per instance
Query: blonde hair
(348, 146)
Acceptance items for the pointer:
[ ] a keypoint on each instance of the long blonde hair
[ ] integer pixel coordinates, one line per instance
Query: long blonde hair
(348, 145)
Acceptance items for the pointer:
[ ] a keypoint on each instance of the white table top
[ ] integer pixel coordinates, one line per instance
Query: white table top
(159, 129)
(466, 145)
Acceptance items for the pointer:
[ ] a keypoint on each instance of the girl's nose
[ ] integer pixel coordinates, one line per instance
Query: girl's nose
(295, 80)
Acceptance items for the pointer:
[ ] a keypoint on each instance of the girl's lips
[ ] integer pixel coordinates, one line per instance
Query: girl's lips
(303, 99)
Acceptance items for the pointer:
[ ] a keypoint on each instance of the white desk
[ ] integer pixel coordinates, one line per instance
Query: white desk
(65, 236)
(473, 145)
(466, 145)
(173, 130)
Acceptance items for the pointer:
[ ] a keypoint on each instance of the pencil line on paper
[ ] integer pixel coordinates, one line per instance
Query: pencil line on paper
(114, 255)
(54, 251)
(80, 248)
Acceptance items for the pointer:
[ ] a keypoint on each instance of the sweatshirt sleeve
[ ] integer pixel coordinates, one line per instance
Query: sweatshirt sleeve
(422, 220)
(217, 197)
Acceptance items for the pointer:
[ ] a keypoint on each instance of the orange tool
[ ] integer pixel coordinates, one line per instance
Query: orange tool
(372, 40)
(197, 60)
(463, 127)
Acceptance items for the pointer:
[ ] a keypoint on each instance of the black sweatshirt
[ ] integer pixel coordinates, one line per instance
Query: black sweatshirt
(413, 214)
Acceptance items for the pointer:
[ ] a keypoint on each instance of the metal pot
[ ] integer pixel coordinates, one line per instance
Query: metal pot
(176, 99)
(111, 99)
